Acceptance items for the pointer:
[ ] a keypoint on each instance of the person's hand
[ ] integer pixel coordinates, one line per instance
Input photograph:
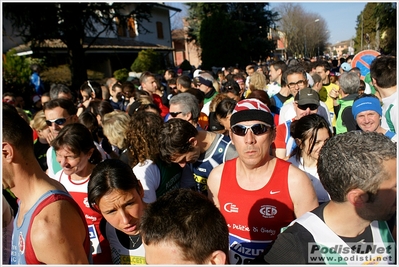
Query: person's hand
(334, 94)
(50, 137)
(86, 102)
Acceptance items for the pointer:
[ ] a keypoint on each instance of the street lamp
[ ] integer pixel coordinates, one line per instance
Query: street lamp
(316, 20)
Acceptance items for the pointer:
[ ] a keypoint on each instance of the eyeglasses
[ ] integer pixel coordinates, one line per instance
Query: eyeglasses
(257, 129)
(310, 106)
(59, 121)
(172, 87)
(299, 83)
(174, 114)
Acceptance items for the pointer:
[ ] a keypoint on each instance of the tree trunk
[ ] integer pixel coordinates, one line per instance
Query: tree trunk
(78, 66)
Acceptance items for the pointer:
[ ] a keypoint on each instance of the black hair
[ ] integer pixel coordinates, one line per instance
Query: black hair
(108, 175)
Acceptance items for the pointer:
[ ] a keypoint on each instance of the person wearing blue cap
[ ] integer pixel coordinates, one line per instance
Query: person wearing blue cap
(367, 112)
(345, 67)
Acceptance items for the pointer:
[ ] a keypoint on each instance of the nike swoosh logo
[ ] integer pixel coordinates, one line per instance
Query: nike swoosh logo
(274, 192)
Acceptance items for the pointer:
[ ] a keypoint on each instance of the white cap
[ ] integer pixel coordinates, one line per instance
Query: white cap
(196, 73)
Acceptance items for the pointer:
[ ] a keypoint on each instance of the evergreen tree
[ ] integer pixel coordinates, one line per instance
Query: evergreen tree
(377, 23)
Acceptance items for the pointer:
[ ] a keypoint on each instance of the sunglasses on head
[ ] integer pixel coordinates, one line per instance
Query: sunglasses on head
(59, 121)
(257, 129)
(174, 114)
(310, 106)
(91, 87)
(228, 88)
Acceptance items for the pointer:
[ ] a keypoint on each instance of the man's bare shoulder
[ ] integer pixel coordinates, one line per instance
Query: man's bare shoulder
(295, 173)
(301, 190)
(297, 179)
(59, 229)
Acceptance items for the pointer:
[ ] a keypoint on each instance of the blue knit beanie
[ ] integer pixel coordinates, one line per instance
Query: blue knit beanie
(366, 103)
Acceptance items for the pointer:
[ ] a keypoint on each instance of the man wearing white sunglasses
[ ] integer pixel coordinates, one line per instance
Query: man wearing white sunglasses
(257, 193)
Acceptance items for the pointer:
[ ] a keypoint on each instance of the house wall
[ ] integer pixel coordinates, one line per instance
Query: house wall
(157, 15)
(162, 16)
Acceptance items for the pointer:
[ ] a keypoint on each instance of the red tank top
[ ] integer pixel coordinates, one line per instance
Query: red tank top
(30, 254)
(255, 217)
(258, 214)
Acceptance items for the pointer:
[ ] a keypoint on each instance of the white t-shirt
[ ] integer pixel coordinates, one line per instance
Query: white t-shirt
(311, 172)
(206, 107)
(149, 175)
(393, 111)
(272, 89)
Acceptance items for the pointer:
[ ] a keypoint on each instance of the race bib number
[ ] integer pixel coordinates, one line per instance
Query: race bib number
(242, 252)
(95, 242)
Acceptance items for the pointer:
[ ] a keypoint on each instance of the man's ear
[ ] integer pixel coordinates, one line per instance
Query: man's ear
(357, 197)
(8, 152)
(190, 116)
(193, 141)
(374, 82)
(218, 257)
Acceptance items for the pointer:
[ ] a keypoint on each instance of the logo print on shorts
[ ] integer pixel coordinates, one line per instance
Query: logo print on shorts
(268, 211)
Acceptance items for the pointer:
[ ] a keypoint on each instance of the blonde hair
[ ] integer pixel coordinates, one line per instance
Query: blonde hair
(216, 85)
(39, 121)
(257, 81)
(115, 124)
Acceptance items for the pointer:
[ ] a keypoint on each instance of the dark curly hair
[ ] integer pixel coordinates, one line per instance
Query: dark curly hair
(142, 136)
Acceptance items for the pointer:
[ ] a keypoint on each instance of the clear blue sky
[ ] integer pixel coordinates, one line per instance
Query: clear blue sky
(339, 16)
